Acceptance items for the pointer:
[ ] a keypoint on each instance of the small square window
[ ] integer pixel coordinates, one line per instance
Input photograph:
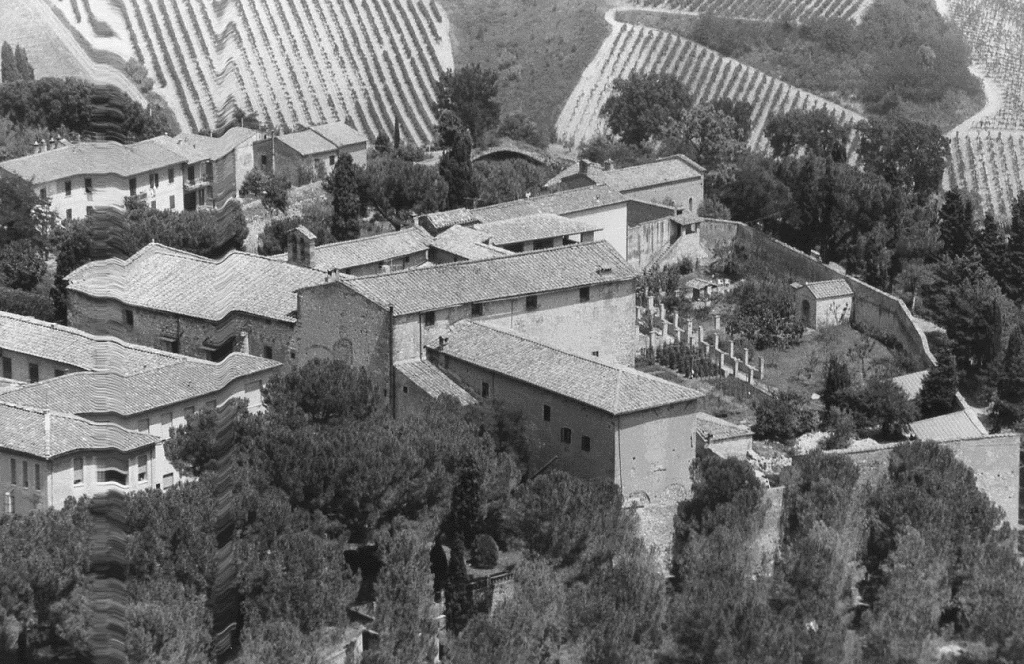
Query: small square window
(567, 435)
(129, 317)
(477, 309)
(33, 373)
(585, 294)
(547, 413)
(88, 210)
(531, 302)
(405, 389)
(263, 160)
(486, 389)
(429, 318)
(268, 352)
(585, 443)
(596, 353)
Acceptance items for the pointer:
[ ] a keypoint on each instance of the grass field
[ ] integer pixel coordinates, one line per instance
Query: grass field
(539, 47)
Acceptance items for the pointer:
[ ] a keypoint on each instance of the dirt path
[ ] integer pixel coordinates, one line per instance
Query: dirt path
(993, 101)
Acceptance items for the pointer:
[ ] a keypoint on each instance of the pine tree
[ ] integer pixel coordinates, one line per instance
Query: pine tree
(837, 379)
(343, 185)
(458, 596)
(939, 387)
(956, 224)
(992, 249)
(8, 65)
(467, 504)
(1009, 407)
(1013, 278)
(456, 168)
(25, 71)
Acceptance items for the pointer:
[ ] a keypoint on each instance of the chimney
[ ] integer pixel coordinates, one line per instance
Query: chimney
(53, 144)
(243, 346)
(301, 243)
(609, 165)
(35, 148)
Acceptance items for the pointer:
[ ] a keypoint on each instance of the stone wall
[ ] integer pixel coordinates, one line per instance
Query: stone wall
(878, 313)
(646, 241)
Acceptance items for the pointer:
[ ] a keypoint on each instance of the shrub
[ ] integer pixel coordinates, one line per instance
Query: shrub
(25, 303)
(21, 265)
(842, 427)
(765, 315)
(784, 418)
(485, 552)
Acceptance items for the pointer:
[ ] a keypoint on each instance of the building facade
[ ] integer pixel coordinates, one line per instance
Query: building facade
(314, 150)
(824, 303)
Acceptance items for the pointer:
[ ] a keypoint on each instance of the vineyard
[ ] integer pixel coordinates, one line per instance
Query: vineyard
(990, 163)
(709, 75)
(767, 10)
(290, 62)
(995, 32)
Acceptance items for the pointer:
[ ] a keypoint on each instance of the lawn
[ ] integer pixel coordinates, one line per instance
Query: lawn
(801, 368)
(539, 47)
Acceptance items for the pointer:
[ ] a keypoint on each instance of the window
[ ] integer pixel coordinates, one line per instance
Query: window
(154, 180)
(596, 353)
(585, 443)
(691, 205)
(428, 318)
(168, 480)
(39, 478)
(79, 470)
(477, 309)
(170, 176)
(42, 193)
(585, 294)
(113, 470)
(486, 389)
(263, 160)
(8, 369)
(14, 471)
(333, 159)
(567, 435)
(24, 474)
(57, 373)
(133, 186)
(142, 465)
(531, 303)
(405, 389)
(144, 425)
(129, 317)
(33, 373)
(88, 188)
(67, 213)
(268, 352)
(67, 187)
(10, 503)
(547, 413)
(172, 202)
(88, 210)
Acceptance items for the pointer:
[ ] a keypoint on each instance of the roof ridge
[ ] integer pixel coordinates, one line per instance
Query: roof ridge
(446, 266)
(519, 335)
(369, 237)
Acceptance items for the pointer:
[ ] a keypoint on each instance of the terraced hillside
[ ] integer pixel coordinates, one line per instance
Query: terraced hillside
(709, 75)
(990, 163)
(995, 32)
(290, 62)
(767, 10)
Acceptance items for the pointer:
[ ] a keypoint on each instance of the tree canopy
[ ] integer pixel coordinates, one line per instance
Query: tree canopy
(643, 104)
(471, 93)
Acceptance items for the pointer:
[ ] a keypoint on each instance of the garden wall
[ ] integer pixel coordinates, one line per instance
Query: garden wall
(883, 316)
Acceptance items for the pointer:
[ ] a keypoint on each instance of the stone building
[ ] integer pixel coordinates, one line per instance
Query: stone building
(386, 252)
(580, 297)
(315, 149)
(677, 181)
(183, 303)
(214, 168)
(823, 303)
(47, 457)
(590, 417)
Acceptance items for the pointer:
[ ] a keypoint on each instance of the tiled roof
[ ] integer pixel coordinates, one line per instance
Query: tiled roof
(307, 142)
(539, 226)
(339, 133)
(47, 435)
(720, 429)
(196, 147)
(66, 345)
(84, 393)
(562, 202)
(165, 279)
(608, 387)
(94, 158)
(825, 290)
(433, 381)
(467, 243)
(451, 284)
(960, 425)
(663, 171)
(911, 382)
(367, 250)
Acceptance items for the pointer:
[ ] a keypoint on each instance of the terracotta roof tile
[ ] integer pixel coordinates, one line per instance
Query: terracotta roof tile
(825, 290)
(66, 345)
(467, 243)
(95, 158)
(539, 226)
(608, 387)
(433, 381)
(339, 133)
(720, 429)
(47, 435)
(451, 284)
(960, 425)
(165, 279)
(663, 171)
(84, 393)
(562, 202)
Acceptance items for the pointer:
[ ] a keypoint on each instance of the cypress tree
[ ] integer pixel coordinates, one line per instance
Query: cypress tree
(992, 249)
(956, 224)
(1010, 389)
(25, 71)
(8, 65)
(458, 595)
(837, 380)
(939, 387)
(456, 168)
(348, 207)
(467, 504)
(1013, 277)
